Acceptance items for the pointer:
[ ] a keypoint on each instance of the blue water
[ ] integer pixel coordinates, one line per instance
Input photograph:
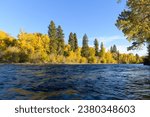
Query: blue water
(69, 82)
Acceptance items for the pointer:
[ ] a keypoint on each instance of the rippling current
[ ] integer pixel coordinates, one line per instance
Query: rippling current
(69, 82)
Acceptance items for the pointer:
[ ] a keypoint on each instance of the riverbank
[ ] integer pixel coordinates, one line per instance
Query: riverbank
(71, 63)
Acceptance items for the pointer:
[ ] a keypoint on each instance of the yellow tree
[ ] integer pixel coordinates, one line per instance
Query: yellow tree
(35, 46)
(6, 40)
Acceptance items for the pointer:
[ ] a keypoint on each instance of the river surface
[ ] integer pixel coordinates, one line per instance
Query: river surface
(74, 82)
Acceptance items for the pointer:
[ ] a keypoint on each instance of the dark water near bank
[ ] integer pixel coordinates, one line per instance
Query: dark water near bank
(74, 82)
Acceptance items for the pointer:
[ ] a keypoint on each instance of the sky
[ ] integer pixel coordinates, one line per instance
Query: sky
(96, 18)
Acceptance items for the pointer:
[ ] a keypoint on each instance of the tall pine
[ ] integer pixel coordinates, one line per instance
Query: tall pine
(52, 33)
(60, 41)
(114, 49)
(96, 46)
(75, 42)
(102, 50)
(85, 47)
(111, 49)
(71, 41)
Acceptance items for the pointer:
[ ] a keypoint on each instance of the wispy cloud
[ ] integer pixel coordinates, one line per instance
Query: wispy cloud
(107, 39)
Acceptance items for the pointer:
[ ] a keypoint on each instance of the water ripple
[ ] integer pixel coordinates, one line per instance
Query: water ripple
(44, 82)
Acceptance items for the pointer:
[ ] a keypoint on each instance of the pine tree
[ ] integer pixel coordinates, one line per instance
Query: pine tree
(102, 50)
(111, 49)
(71, 41)
(96, 44)
(114, 49)
(134, 22)
(52, 33)
(75, 42)
(60, 41)
(137, 58)
(85, 47)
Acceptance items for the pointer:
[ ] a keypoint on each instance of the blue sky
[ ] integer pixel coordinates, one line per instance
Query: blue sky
(96, 18)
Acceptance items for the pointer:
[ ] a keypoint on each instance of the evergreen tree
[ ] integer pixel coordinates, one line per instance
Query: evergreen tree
(75, 42)
(85, 47)
(137, 58)
(111, 49)
(52, 33)
(60, 41)
(134, 22)
(114, 49)
(96, 45)
(71, 41)
(102, 50)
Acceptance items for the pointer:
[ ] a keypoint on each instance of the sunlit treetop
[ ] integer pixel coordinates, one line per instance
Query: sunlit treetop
(135, 22)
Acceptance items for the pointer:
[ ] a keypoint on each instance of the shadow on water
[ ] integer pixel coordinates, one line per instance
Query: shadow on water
(25, 94)
(44, 82)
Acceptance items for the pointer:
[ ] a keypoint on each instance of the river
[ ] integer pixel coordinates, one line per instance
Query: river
(74, 82)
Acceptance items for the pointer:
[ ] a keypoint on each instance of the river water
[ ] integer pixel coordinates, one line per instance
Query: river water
(74, 82)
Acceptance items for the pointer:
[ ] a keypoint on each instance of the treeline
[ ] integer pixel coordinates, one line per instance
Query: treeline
(51, 48)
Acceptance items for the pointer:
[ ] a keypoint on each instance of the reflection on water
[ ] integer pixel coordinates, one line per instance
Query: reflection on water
(74, 82)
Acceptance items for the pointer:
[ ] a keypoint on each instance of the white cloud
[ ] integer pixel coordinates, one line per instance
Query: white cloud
(108, 39)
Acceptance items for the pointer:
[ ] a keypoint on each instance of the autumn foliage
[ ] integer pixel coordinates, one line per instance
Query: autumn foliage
(51, 48)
